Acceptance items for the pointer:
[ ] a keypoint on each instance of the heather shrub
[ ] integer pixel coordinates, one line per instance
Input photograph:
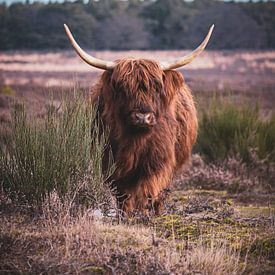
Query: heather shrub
(231, 174)
(54, 154)
(226, 129)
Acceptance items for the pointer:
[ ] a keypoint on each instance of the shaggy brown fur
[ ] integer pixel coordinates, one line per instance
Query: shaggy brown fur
(145, 159)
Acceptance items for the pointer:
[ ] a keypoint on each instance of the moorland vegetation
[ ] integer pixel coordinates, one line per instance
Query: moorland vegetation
(58, 215)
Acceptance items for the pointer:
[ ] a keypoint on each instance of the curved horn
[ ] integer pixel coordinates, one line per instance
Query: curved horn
(95, 62)
(190, 57)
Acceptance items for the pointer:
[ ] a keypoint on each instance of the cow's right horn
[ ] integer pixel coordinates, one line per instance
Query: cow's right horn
(95, 62)
(189, 57)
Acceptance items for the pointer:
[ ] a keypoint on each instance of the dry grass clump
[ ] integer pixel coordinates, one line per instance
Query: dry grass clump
(80, 243)
(215, 260)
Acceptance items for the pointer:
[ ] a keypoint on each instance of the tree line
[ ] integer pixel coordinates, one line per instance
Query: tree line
(137, 24)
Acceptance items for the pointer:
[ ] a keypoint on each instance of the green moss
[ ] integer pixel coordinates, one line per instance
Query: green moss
(230, 201)
(216, 193)
(188, 231)
(7, 90)
(235, 233)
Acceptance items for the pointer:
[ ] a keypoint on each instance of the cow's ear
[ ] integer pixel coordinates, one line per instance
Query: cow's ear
(173, 82)
(106, 84)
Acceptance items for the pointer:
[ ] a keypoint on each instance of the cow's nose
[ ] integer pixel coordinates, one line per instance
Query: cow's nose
(145, 118)
(148, 118)
(139, 117)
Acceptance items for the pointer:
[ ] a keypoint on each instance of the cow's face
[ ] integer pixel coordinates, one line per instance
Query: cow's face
(137, 94)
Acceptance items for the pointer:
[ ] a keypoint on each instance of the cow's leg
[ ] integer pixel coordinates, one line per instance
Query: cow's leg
(160, 201)
(147, 195)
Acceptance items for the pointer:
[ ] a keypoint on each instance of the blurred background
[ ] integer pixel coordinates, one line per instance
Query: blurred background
(35, 52)
(137, 24)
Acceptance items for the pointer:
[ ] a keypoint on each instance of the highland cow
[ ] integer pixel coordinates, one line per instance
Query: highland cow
(152, 122)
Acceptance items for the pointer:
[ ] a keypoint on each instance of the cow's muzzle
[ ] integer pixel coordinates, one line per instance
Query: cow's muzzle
(143, 119)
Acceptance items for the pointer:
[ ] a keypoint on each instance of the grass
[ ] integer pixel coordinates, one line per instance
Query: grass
(80, 244)
(54, 154)
(229, 130)
(207, 236)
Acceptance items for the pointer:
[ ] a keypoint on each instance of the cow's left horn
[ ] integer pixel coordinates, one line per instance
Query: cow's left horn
(190, 57)
(95, 62)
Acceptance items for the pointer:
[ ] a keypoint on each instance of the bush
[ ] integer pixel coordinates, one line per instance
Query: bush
(54, 154)
(232, 175)
(226, 129)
